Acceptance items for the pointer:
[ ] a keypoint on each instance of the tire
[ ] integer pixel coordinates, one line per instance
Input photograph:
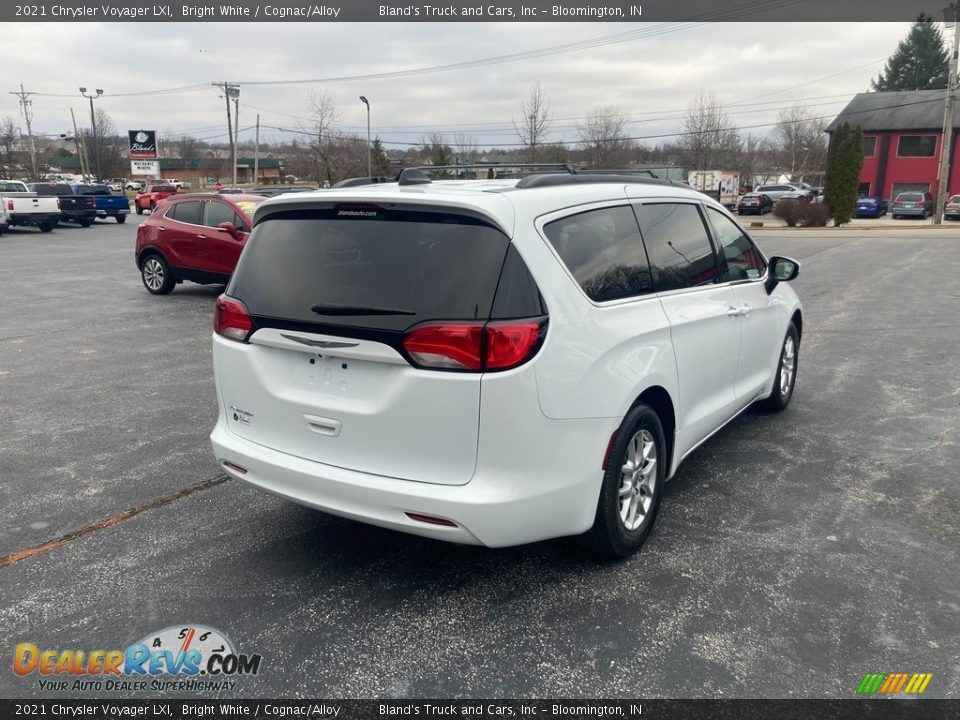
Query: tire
(153, 206)
(156, 275)
(45, 227)
(121, 219)
(627, 507)
(85, 222)
(782, 384)
(139, 209)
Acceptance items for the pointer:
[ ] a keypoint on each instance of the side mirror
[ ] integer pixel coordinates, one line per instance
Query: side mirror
(230, 229)
(780, 269)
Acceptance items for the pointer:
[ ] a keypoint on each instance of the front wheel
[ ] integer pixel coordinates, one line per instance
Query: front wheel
(139, 209)
(632, 483)
(156, 275)
(121, 219)
(786, 377)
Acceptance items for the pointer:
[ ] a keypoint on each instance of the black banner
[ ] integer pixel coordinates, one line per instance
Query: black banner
(99, 709)
(859, 11)
(143, 144)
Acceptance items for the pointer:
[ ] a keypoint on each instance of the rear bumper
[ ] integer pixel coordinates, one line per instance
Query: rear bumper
(493, 509)
(33, 218)
(917, 211)
(113, 212)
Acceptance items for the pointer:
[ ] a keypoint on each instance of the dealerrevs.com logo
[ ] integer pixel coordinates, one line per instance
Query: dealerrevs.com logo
(177, 658)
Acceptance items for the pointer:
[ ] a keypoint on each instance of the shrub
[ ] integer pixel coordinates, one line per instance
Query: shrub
(816, 215)
(788, 211)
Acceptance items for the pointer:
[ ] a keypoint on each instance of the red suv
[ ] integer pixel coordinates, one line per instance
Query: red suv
(193, 237)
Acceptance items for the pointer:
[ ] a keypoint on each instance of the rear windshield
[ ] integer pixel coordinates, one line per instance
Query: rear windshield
(12, 187)
(93, 190)
(163, 188)
(420, 265)
(52, 189)
(911, 196)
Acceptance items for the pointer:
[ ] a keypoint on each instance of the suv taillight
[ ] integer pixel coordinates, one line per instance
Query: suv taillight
(230, 319)
(474, 346)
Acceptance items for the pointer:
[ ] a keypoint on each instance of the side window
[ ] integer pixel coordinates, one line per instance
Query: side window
(603, 251)
(739, 257)
(216, 212)
(186, 212)
(679, 247)
(517, 293)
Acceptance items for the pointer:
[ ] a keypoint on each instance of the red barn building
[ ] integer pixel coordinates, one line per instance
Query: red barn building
(902, 141)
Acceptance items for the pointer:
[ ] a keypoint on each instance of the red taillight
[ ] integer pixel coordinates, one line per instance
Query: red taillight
(230, 319)
(451, 346)
(9, 204)
(897, 202)
(473, 346)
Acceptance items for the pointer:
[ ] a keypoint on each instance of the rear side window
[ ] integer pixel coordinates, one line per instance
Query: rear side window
(517, 293)
(603, 251)
(186, 212)
(678, 245)
(217, 212)
(367, 267)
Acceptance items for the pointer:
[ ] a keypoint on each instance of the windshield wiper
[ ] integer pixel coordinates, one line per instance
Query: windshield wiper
(358, 310)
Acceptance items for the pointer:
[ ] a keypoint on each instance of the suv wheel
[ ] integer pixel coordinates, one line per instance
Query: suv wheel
(632, 485)
(139, 209)
(786, 377)
(156, 275)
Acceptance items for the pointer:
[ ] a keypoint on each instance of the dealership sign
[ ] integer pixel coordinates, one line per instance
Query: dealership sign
(143, 144)
(145, 167)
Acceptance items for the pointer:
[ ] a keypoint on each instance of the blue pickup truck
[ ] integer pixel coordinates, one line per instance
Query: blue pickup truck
(107, 204)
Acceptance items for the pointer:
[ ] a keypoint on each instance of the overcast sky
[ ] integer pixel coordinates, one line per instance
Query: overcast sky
(652, 75)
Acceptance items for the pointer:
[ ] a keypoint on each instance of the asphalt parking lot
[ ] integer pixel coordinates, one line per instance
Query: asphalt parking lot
(793, 553)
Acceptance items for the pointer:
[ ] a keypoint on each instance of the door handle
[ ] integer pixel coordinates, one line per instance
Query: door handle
(734, 312)
(745, 310)
(201, 237)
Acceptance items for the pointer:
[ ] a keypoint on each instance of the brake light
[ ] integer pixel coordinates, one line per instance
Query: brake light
(230, 319)
(474, 346)
(9, 204)
(897, 202)
(58, 204)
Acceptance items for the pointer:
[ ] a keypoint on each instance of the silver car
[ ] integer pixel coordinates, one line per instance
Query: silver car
(782, 191)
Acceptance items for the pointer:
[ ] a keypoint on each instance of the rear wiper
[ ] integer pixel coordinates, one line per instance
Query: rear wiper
(358, 310)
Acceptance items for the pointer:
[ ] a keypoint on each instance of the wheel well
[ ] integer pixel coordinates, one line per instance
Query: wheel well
(147, 252)
(659, 399)
(797, 320)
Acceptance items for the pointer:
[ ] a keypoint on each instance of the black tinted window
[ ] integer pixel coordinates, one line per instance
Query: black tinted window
(433, 266)
(678, 245)
(739, 257)
(603, 251)
(217, 212)
(917, 145)
(93, 190)
(517, 293)
(186, 212)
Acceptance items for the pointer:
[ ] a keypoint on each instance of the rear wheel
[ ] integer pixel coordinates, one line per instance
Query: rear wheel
(139, 209)
(121, 219)
(45, 227)
(156, 275)
(786, 377)
(632, 483)
(86, 222)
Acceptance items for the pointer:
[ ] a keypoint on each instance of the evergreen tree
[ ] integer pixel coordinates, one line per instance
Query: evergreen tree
(844, 162)
(919, 62)
(380, 162)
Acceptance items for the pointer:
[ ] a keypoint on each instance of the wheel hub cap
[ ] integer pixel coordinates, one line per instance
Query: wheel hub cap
(638, 478)
(153, 274)
(788, 365)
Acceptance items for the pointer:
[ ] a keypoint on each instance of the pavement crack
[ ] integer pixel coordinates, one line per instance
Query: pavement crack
(20, 555)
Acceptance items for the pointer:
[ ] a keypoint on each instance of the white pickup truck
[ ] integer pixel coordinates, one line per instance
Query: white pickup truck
(19, 206)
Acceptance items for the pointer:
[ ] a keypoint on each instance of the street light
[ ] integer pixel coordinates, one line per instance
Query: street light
(93, 125)
(369, 166)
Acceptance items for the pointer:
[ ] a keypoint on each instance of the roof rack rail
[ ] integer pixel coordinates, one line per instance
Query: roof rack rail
(637, 172)
(553, 180)
(352, 182)
(418, 175)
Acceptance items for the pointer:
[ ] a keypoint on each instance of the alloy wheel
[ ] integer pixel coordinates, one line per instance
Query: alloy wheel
(638, 479)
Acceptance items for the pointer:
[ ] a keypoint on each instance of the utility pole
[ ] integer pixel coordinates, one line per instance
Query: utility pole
(256, 154)
(236, 134)
(26, 109)
(946, 145)
(231, 91)
(80, 147)
(93, 127)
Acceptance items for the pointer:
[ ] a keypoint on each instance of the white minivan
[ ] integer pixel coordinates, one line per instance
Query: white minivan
(495, 362)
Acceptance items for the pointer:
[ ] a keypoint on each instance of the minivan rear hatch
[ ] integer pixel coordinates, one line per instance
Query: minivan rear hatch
(332, 292)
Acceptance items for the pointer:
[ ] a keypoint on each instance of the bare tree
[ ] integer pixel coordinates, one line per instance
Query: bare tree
(801, 147)
(465, 146)
(436, 150)
(8, 134)
(710, 142)
(603, 138)
(321, 131)
(535, 120)
(753, 157)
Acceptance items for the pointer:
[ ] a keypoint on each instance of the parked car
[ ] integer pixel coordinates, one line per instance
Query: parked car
(495, 368)
(19, 206)
(231, 191)
(912, 204)
(134, 185)
(75, 208)
(116, 185)
(193, 237)
(106, 203)
(178, 184)
(784, 191)
(951, 211)
(754, 204)
(872, 207)
(151, 197)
